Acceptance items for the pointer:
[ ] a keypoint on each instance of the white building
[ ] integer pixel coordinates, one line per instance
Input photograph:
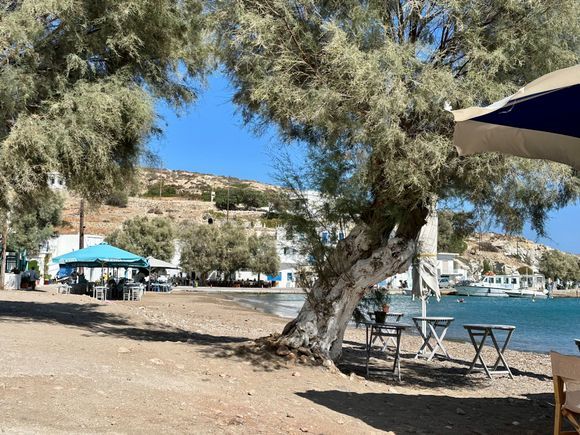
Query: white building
(62, 244)
(56, 181)
(450, 265)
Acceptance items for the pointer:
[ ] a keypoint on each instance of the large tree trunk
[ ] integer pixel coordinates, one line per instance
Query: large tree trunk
(329, 305)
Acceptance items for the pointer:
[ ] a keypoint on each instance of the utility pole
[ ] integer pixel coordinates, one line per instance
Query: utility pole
(82, 225)
(228, 206)
(82, 229)
(4, 243)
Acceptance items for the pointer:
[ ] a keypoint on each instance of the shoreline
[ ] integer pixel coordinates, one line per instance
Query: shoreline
(352, 325)
(187, 362)
(271, 290)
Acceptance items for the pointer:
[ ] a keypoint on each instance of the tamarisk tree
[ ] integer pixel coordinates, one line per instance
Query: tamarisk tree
(364, 84)
(153, 237)
(78, 83)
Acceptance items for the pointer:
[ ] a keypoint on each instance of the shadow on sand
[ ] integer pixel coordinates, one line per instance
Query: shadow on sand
(88, 317)
(431, 414)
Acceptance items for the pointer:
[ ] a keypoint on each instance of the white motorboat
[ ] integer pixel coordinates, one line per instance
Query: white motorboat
(529, 294)
(500, 285)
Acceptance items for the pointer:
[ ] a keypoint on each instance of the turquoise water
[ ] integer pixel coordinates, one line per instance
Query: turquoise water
(541, 326)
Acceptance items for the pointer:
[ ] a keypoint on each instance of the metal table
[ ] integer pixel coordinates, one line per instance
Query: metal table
(384, 331)
(433, 323)
(484, 331)
(391, 317)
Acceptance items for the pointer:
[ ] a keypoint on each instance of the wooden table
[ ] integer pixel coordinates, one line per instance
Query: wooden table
(433, 323)
(484, 331)
(384, 331)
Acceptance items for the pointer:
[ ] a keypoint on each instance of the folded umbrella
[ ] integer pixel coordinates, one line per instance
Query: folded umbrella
(540, 121)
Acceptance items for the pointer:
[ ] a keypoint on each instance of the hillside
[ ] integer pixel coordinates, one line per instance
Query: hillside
(505, 253)
(184, 204)
(194, 184)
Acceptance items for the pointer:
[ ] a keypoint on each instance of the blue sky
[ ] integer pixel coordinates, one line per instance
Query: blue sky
(211, 138)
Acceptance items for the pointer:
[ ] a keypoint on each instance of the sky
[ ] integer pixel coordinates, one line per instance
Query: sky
(211, 138)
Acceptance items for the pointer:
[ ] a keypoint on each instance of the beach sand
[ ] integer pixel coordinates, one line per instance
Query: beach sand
(179, 362)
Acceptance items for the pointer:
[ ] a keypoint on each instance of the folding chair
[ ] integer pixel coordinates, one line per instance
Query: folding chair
(566, 374)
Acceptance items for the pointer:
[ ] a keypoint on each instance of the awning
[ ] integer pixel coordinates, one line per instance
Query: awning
(102, 255)
(540, 121)
(155, 263)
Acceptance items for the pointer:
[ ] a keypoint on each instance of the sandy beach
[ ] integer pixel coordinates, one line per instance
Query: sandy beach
(184, 362)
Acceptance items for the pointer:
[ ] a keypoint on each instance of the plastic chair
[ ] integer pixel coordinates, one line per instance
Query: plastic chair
(100, 293)
(566, 374)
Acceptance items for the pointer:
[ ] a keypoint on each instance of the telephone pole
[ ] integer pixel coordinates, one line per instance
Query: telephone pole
(228, 207)
(82, 225)
(4, 242)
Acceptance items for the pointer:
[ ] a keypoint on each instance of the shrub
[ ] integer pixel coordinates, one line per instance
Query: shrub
(161, 189)
(155, 210)
(118, 199)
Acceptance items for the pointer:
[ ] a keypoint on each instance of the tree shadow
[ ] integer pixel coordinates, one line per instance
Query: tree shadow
(419, 372)
(88, 317)
(433, 414)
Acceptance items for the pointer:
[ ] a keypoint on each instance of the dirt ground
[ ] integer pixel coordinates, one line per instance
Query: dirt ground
(176, 363)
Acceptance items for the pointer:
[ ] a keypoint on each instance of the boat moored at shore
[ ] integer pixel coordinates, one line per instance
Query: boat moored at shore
(502, 285)
(529, 294)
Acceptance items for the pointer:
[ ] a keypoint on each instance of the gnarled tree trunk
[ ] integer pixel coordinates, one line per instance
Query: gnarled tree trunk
(329, 305)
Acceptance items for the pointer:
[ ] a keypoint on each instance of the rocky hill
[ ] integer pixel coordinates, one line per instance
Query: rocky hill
(188, 200)
(193, 184)
(505, 253)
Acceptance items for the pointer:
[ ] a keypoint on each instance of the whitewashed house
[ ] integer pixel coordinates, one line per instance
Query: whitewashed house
(62, 244)
(449, 265)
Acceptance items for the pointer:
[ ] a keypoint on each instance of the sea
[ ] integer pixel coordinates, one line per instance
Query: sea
(541, 326)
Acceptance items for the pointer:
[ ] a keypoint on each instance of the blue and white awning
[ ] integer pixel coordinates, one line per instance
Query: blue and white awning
(540, 121)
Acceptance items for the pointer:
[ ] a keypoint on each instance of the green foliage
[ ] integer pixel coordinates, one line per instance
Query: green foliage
(161, 189)
(33, 265)
(118, 198)
(487, 266)
(263, 255)
(453, 229)
(33, 219)
(78, 83)
(374, 300)
(363, 85)
(239, 197)
(226, 248)
(146, 237)
(559, 265)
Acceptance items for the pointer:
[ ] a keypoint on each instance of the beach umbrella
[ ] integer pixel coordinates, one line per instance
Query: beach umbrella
(425, 279)
(540, 121)
(101, 255)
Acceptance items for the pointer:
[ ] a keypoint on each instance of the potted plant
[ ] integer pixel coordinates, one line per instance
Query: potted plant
(375, 302)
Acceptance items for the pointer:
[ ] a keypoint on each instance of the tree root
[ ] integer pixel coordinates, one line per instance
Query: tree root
(302, 355)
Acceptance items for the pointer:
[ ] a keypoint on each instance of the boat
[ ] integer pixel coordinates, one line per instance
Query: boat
(500, 285)
(530, 294)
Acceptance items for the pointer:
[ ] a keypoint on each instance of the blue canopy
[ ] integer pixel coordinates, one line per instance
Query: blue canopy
(102, 255)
